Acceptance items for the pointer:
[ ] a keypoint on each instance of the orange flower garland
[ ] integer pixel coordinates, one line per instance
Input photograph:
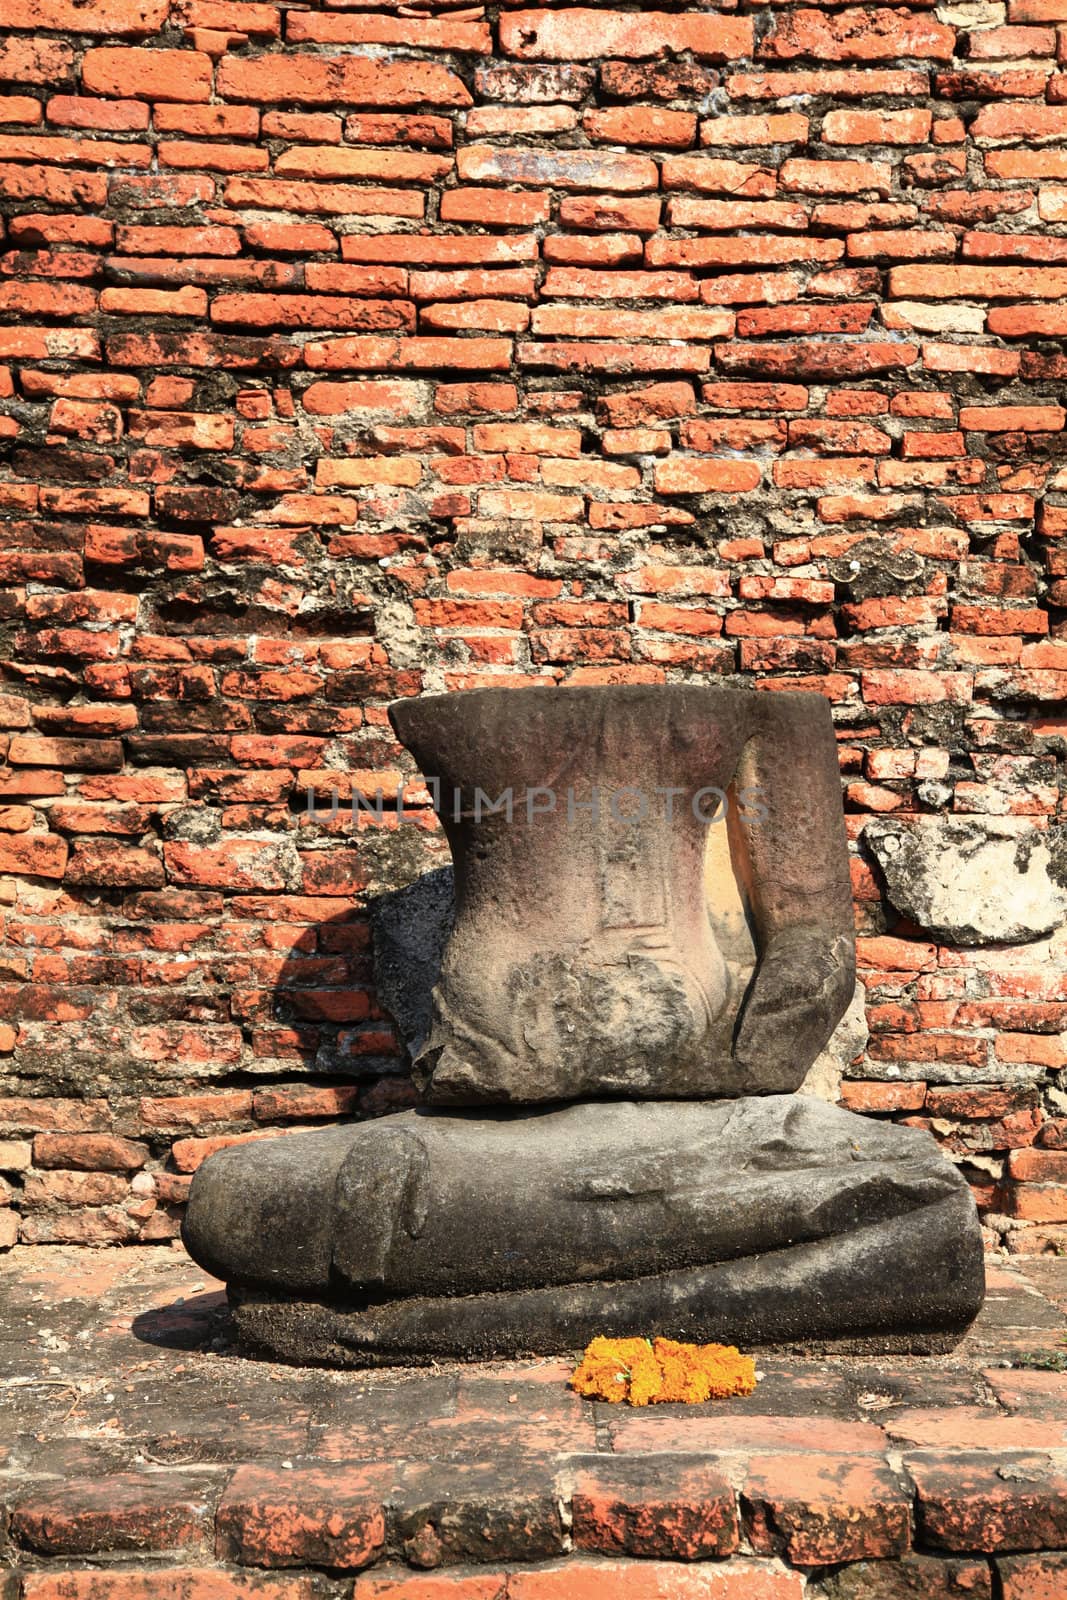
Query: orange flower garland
(653, 1373)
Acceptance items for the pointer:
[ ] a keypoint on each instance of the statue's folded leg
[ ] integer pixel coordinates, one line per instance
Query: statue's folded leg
(911, 1284)
(765, 1221)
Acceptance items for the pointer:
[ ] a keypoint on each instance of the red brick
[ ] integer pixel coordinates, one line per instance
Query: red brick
(89, 1152)
(30, 182)
(817, 1509)
(965, 282)
(236, 864)
(585, 34)
(1040, 1577)
(108, 864)
(331, 199)
(141, 1511)
(45, 61)
(655, 403)
(73, 1188)
(400, 1585)
(34, 855)
(715, 175)
(1038, 1166)
(877, 1097)
(195, 1110)
(998, 419)
(577, 1579)
(608, 213)
(760, 128)
(609, 250)
(607, 357)
(148, 74)
(1039, 1202)
(594, 284)
(661, 252)
(329, 80)
(427, 33)
(814, 359)
(184, 302)
(726, 214)
(685, 475)
(837, 83)
(234, 122)
(411, 355)
(306, 1515)
(42, 1115)
(1012, 43)
(858, 35)
(1015, 121)
(472, 283)
(177, 1583)
(564, 169)
(877, 127)
(136, 17)
(588, 322)
(311, 311)
(77, 111)
(906, 686)
(664, 130)
(989, 1501)
(896, 955)
(806, 176)
(672, 1506)
(189, 1154)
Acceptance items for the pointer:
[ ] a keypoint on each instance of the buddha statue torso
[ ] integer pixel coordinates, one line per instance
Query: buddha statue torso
(583, 959)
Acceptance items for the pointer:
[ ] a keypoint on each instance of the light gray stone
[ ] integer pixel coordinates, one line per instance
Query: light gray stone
(583, 960)
(970, 880)
(848, 1040)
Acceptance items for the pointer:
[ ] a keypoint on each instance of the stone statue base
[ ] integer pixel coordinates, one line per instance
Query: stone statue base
(766, 1221)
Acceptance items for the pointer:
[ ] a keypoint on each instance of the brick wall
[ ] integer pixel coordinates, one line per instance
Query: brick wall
(350, 354)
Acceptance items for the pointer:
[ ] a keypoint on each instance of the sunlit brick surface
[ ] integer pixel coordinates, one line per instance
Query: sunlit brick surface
(348, 354)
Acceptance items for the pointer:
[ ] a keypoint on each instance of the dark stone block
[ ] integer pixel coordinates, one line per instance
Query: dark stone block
(772, 1220)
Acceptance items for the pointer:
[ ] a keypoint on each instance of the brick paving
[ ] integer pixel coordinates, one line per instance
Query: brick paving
(141, 1457)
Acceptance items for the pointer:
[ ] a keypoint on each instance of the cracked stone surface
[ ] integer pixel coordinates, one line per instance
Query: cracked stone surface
(972, 881)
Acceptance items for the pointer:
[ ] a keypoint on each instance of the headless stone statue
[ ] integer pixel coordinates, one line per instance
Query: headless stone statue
(583, 962)
(685, 1190)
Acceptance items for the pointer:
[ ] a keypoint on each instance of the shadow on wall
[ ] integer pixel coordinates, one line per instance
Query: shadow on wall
(332, 1022)
(410, 928)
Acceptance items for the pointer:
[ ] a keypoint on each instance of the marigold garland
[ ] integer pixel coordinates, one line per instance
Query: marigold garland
(662, 1370)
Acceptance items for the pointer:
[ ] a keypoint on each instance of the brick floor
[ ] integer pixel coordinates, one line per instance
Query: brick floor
(140, 1457)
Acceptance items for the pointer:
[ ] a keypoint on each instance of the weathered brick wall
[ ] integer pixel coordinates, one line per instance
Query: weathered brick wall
(349, 354)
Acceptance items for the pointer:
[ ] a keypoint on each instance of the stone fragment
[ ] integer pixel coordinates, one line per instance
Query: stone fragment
(442, 1513)
(614, 980)
(848, 1040)
(973, 881)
